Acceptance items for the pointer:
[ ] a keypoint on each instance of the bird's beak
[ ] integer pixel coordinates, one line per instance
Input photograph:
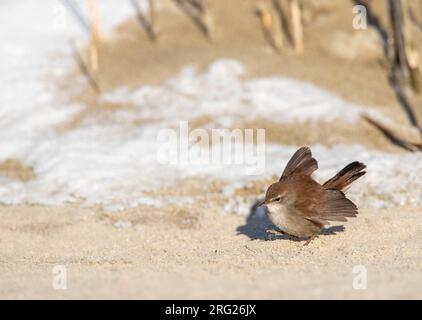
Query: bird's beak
(262, 204)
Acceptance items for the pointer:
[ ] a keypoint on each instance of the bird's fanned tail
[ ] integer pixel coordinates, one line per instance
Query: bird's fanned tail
(346, 176)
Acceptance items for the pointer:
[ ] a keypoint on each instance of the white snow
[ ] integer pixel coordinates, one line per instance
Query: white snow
(222, 94)
(114, 162)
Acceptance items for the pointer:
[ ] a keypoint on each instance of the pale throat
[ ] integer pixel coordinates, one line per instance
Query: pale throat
(277, 211)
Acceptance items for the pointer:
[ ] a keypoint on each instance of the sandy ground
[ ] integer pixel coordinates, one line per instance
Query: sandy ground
(212, 256)
(197, 251)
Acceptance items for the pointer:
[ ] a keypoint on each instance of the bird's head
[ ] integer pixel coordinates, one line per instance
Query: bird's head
(276, 195)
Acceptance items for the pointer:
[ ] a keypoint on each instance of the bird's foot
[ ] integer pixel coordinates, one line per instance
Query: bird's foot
(309, 240)
(275, 232)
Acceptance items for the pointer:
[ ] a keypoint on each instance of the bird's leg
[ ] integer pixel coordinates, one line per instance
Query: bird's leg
(275, 232)
(310, 239)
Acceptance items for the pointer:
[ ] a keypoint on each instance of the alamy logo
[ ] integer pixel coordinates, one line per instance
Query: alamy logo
(360, 280)
(216, 147)
(59, 17)
(360, 19)
(59, 277)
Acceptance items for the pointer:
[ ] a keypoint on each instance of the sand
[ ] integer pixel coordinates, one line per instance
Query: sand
(199, 251)
(215, 256)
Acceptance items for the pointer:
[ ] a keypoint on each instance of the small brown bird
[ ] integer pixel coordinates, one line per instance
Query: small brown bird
(300, 206)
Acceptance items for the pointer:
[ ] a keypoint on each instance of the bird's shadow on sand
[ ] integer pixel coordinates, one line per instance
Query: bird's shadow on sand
(257, 226)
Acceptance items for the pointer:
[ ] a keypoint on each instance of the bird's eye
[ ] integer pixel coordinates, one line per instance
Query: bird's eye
(278, 199)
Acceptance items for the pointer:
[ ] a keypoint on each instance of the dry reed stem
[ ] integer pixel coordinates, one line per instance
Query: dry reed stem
(153, 20)
(76, 12)
(95, 40)
(391, 135)
(198, 11)
(416, 6)
(147, 22)
(296, 25)
(83, 21)
(411, 54)
(414, 68)
(208, 21)
(152, 14)
(84, 68)
(270, 26)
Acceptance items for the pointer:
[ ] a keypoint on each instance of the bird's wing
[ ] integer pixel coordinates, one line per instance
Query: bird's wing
(323, 205)
(301, 162)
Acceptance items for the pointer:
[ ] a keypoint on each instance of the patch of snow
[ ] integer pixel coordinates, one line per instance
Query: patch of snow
(221, 93)
(114, 163)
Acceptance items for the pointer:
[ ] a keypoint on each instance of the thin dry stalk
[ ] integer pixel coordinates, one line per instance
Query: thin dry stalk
(198, 11)
(406, 64)
(416, 6)
(148, 24)
(412, 55)
(296, 25)
(415, 70)
(95, 40)
(84, 68)
(391, 135)
(78, 14)
(208, 20)
(152, 13)
(396, 17)
(269, 26)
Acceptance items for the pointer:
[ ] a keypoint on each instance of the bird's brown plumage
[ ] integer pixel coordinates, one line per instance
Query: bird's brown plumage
(298, 194)
(346, 176)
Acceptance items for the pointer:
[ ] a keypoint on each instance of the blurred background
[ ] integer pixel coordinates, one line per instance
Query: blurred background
(88, 86)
